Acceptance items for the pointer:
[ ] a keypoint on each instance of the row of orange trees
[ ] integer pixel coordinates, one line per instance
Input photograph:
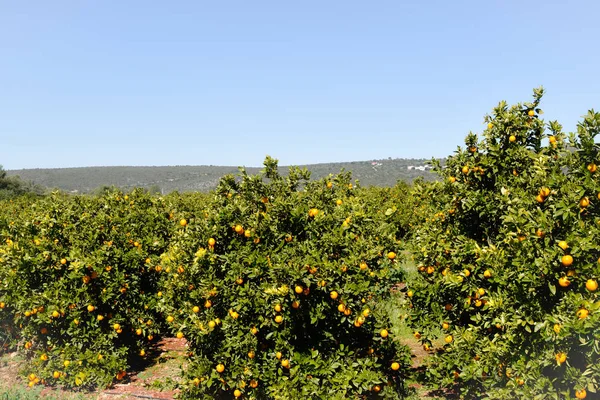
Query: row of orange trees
(277, 283)
(509, 260)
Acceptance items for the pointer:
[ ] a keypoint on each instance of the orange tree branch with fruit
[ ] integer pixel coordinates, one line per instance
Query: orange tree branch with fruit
(509, 262)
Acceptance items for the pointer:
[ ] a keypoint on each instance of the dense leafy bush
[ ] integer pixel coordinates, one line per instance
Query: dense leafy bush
(277, 284)
(510, 261)
(75, 278)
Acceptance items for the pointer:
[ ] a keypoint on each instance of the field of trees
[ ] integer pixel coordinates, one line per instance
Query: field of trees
(288, 287)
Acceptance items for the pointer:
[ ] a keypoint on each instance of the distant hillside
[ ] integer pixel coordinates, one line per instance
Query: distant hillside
(206, 177)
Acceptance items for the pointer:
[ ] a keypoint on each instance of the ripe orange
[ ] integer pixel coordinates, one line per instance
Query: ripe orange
(531, 113)
(239, 229)
(584, 202)
(298, 289)
(220, 368)
(452, 179)
(277, 307)
(556, 328)
(179, 335)
(563, 245)
(582, 313)
(63, 261)
(341, 307)
(384, 333)
(445, 325)
(566, 260)
(448, 339)
(395, 366)
(581, 394)
(592, 167)
(237, 393)
(490, 125)
(391, 255)
(465, 169)
(410, 293)
(253, 383)
(251, 354)
(285, 363)
(91, 308)
(207, 304)
(561, 358)
(211, 242)
(487, 274)
(278, 355)
(196, 309)
(512, 138)
(591, 285)
(183, 222)
(170, 318)
(278, 319)
(563, 281)
(56, 374)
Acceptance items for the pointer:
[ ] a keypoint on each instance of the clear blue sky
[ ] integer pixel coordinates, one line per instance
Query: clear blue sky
(86, 83)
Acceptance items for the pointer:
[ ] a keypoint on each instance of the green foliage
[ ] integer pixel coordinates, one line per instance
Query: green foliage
(75, 280)
(491, 267)
(249, 282)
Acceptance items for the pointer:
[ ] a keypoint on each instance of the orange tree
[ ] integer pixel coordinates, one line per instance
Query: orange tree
(277, 284)
(78, 280)
(509, 261)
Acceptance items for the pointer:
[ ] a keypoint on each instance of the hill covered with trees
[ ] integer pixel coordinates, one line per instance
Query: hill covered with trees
(165, 179)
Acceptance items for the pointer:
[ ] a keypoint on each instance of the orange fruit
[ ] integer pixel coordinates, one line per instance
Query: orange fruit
(170, 318)
(584, 202)
(196, 309)
(251, 354)
(581, 394)
(487, 274)
(220, 368)
(341, 308)
(91, 308)
(391, 255)
(179, 335)
(566, 260)
(395, 366)
(239, 229)
(410, 293)
(490, 125)
(333, 295)
(285, 363)
(278, 319)
(448, 339)
(512, 138)
(183, 222)
(207, 304)
(277, 307)
(582, 313)
(563, 245)
(278, 355)
(237, 393)
(445, 325)
(298, 289)
(211, 242)
(561, 358)
(452, 179)
(563, 281)
(531, 113)
(556, 328)
(465, 169)
(56, 374)
(253, 383)
(591, 285)
(384, 333)
(592, 167)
